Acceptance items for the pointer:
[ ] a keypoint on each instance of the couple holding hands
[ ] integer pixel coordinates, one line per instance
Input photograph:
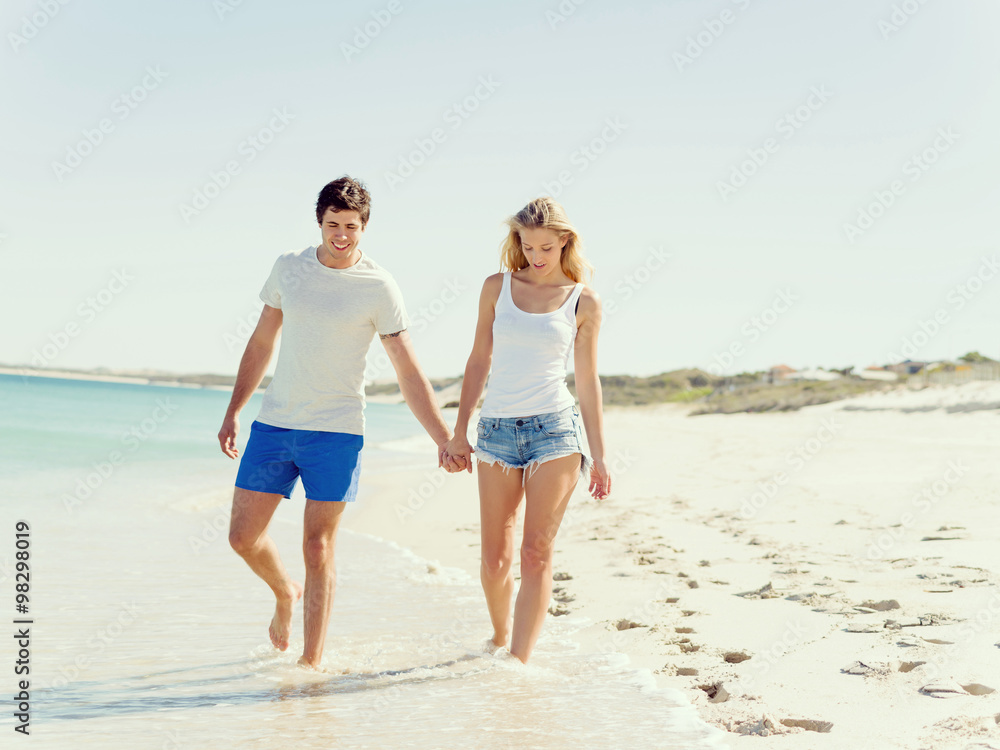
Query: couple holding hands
(327, 302)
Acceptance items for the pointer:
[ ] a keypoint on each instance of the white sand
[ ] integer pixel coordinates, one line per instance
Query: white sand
(846, 524)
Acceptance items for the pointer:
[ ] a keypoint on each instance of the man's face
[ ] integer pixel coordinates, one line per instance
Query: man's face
(342, 231)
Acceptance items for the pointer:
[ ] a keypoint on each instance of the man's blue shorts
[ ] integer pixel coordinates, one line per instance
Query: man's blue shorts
(328, 462)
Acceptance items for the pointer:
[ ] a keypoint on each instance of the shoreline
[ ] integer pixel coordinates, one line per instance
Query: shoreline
(130, 379)
(735, 561)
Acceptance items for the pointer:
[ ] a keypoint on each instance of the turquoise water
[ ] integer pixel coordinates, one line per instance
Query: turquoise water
(82, 440)
(53, 423)
(149, 632)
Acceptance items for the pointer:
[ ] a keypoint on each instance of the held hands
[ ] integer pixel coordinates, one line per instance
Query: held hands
(227, 435)
(456, 455)
(600, 479)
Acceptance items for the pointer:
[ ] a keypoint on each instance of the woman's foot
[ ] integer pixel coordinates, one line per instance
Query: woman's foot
(490, 646)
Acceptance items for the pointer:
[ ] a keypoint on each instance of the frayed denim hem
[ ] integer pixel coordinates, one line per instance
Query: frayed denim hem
(488, 458)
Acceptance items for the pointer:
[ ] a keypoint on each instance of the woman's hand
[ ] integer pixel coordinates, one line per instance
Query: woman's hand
(458, 453)
(600, 479)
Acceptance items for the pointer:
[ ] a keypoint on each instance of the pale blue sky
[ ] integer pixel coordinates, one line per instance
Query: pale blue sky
(682, 130)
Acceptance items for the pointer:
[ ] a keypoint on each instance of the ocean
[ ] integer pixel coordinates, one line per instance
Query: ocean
(145, 630)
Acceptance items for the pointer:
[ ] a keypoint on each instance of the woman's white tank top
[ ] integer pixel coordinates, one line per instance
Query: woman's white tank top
(531, 354)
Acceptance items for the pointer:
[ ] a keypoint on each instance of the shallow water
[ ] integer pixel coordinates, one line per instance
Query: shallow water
(149, 632)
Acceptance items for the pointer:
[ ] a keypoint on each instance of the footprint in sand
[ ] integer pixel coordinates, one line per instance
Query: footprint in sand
(809, 724)
(716, 692)
(685, 645)
(952, 689)
(626, 624)
(881, 606)
(860, 668)
(561, 596)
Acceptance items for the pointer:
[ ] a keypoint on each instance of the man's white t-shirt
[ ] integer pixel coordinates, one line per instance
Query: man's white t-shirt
(329, 317)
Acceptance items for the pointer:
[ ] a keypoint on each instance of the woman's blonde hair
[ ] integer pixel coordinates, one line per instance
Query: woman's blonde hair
(544, 213)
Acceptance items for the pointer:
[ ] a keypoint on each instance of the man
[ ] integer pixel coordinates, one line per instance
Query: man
(328, 301)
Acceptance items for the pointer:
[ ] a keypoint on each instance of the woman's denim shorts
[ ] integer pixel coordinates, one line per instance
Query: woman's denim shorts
(528, 442)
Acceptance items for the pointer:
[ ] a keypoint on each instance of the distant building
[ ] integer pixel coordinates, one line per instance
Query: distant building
(876, 373)
(813, 374)
(909, 367)
(780, 373)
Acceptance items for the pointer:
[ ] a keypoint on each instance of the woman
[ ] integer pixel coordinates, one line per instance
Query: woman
(529, 438)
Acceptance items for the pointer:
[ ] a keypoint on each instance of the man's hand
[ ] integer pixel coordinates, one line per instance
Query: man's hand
(456, 454)
(227, 435)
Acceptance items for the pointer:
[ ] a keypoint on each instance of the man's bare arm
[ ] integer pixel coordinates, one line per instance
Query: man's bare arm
(253, 365)
(415, 387)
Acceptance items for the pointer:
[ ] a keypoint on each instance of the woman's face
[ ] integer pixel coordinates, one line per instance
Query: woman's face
(543, 249)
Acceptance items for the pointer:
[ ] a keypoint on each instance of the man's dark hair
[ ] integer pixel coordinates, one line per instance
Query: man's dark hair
(344, 194)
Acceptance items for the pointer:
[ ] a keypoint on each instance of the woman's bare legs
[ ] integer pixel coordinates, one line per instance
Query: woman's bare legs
(547, 494)
(500, 494)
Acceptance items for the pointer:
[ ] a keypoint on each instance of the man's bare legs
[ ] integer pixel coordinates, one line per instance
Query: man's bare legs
(547, 493)
(252, 512)
(322, 519)
(500, 495)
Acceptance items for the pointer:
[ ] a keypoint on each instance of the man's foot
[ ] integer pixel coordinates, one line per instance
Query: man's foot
(281, 623)
(312, 667)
